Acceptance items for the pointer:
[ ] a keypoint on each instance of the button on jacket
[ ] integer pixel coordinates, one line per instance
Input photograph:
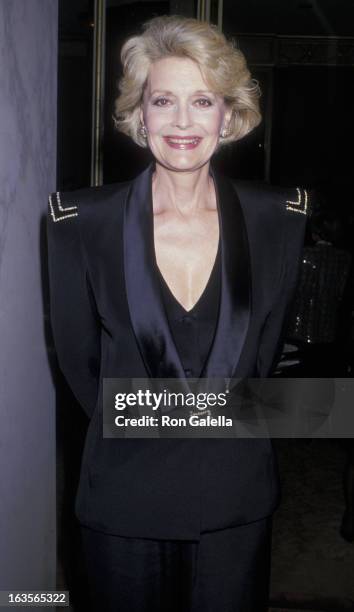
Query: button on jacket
(108, 320)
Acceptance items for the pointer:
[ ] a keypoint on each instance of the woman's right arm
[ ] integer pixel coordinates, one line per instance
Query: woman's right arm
(74, 319)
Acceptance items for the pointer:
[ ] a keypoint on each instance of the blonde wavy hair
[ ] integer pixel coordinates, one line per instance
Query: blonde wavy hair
(222, 65)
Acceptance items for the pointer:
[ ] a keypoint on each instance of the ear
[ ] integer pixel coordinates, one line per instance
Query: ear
(141, 115)
(227, 117)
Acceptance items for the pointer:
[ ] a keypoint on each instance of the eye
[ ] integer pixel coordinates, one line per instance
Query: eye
(204, 102)
(161, 101)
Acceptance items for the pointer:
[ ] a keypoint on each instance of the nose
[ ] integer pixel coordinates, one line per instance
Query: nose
(182, 117)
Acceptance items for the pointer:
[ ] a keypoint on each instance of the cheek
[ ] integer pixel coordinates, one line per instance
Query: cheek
(212, 123)
(154, 122)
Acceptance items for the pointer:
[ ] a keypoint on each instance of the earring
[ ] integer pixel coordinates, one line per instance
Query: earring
(143, 131)
(224, 133)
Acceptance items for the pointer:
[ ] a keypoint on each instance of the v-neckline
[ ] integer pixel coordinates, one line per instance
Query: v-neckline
(203, 293)
(143, 288)
(215, 260)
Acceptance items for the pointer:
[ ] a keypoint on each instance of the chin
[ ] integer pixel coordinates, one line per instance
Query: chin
(185, 164)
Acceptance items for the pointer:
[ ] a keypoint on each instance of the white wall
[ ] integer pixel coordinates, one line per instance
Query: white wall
(28, 100)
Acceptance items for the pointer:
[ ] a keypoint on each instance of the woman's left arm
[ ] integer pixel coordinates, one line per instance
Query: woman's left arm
(272, 337)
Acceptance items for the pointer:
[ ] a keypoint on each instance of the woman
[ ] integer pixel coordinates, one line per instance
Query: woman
(178, 273)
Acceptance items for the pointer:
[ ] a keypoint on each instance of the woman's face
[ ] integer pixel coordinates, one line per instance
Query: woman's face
(182, 116)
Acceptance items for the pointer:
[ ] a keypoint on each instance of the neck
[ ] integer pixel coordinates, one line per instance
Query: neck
(182, 191)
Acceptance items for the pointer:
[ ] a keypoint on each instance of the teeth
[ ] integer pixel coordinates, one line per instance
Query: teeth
(184, 140)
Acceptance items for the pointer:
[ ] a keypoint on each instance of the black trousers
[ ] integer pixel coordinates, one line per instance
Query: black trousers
(227, 570)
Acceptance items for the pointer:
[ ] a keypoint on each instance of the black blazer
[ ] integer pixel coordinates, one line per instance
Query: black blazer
(108, 320)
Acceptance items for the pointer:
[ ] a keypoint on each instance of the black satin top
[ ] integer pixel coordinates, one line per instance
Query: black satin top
(193, 330)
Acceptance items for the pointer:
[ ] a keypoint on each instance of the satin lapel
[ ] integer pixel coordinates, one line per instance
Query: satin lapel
(144, 296)
(235, 299)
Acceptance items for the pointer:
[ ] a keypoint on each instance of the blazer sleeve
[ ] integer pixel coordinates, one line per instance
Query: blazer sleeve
(74, 318)
(272, 336)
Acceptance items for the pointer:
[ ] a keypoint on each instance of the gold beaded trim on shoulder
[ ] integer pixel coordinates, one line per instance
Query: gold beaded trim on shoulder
(301, 204)
(60, 212)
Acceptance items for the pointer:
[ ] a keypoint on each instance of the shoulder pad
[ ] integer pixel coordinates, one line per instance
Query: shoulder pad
(58, 211)
(300, 204)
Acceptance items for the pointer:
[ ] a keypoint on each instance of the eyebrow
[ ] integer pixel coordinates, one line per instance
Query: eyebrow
(170, 93)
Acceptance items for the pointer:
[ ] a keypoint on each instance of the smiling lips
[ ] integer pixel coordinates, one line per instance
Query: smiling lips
(177, 142)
